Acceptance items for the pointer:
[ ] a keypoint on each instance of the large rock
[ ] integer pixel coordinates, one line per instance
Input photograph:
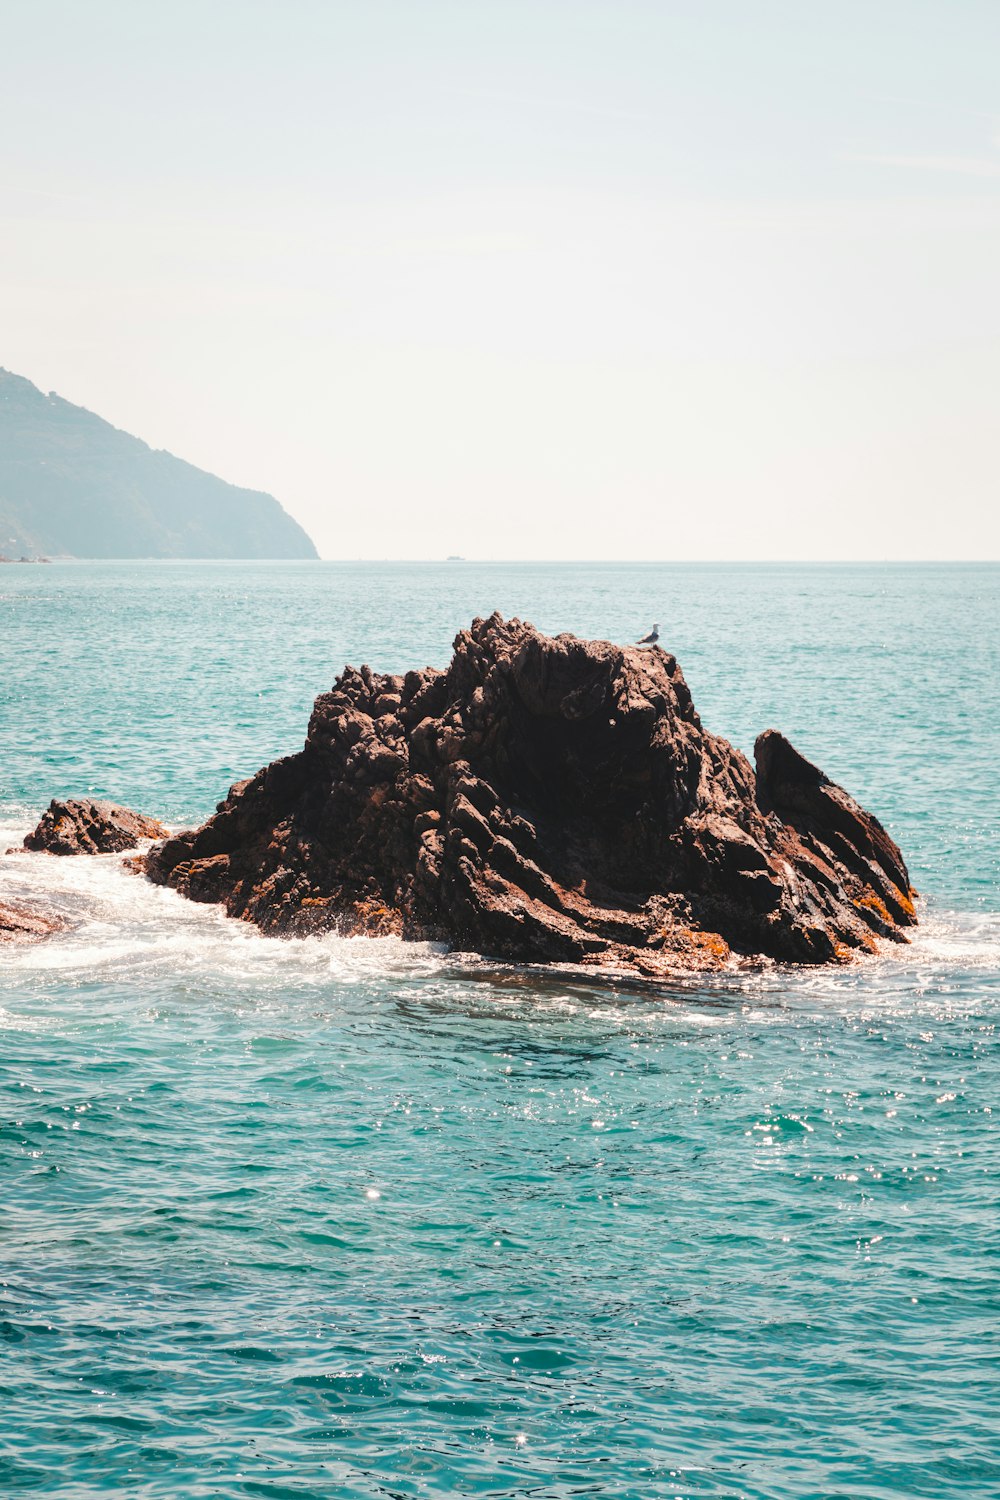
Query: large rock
(546, 800)
(19, 924)
(81, 826)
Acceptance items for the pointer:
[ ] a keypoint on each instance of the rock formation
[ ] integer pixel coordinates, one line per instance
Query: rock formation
(20, 925)
(546, 800)
(81, 826)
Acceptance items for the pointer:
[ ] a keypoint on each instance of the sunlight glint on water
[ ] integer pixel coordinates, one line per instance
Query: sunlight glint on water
(334, 1218)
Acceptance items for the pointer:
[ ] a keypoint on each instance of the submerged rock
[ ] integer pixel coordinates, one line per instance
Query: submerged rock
(19, 924)
(80, 826)
(546, 800)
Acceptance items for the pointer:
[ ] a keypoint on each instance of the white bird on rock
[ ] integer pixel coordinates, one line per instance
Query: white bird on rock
(650, 639)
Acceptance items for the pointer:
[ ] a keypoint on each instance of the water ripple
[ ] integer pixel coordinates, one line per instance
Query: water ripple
(328, 1218)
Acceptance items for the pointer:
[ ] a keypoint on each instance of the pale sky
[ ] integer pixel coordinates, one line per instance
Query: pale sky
(526, 278)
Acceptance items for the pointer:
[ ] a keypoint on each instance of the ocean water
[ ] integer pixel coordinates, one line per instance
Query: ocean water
(348, 1218)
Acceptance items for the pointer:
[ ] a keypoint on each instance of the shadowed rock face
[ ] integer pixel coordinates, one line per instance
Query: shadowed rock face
(80, 826)
(546, 800)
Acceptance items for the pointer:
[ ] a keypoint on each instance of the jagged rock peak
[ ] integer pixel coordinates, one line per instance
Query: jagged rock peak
(547, 799)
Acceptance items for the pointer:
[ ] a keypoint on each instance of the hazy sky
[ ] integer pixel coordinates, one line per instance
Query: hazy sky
(526, 278)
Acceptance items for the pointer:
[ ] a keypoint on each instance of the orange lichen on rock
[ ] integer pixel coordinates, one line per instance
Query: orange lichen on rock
(870, 902)
(712, 944)
(372, 919)
(905, 899)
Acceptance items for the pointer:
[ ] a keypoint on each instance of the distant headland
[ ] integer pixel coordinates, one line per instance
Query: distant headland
(71, 485)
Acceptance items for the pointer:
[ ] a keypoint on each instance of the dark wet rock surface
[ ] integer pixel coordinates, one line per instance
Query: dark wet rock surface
(547, 800)
(82, 826)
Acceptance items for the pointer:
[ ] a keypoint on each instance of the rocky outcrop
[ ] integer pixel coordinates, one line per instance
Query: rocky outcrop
(546, 800)
(80, 826)
(18, 924)
(828, 823)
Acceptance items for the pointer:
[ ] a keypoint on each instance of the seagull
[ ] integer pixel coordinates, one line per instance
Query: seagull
(650, 639)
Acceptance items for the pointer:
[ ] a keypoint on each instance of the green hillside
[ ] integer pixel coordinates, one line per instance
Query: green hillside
(71, 484)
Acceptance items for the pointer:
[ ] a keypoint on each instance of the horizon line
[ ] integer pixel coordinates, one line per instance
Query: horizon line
(646, 562)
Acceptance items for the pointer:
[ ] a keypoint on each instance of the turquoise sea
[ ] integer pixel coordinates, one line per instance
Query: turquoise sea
(324, 1218)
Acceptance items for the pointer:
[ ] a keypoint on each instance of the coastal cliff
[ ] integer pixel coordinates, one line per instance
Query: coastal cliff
(547, 800)
(71, 484)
